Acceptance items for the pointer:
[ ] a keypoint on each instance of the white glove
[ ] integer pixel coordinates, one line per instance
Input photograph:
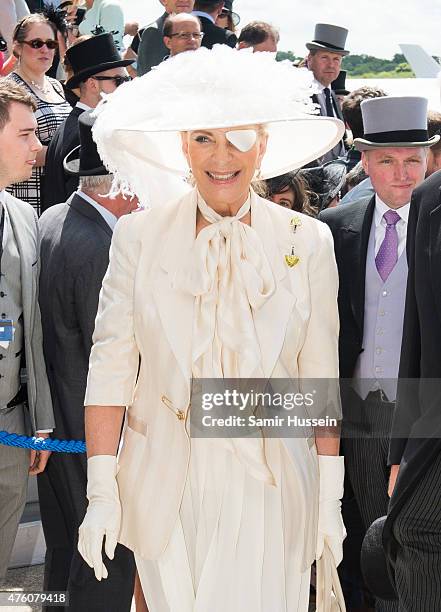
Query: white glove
(331, 529)
(103, 516)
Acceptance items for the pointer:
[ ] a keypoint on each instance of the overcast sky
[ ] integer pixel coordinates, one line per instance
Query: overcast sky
(376, 27)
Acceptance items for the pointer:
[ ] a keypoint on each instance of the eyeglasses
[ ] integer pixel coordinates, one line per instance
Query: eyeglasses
(188, 35)
(37, 43)
(118, 80)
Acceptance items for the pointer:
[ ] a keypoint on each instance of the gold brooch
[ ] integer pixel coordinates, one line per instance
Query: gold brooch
(293, 259)
(295, 223)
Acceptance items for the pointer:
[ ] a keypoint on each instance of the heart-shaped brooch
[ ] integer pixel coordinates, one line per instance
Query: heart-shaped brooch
(293, 259)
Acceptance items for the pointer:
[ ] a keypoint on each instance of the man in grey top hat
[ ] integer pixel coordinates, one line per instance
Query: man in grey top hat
(326, 52)
(20, 324)
(370, 240)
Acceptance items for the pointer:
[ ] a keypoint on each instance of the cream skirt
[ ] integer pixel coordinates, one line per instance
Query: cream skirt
(228, 550)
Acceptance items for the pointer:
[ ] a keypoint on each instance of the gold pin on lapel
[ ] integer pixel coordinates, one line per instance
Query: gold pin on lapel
(295, 223)
(292, 260)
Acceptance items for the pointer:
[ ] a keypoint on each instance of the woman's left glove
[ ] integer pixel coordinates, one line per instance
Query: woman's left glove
(331, 529)
(103, 516)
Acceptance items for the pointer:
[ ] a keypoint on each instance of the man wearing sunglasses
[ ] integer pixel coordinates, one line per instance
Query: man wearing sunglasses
(106, 74)
(182, 33)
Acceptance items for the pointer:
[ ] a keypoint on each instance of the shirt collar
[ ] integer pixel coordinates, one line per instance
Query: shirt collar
(83, 106)
(108, 217)
(202, 14)
(319, 85)
(381, 208)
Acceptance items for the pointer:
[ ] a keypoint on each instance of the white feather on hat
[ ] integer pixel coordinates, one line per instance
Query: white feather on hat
(138, 126)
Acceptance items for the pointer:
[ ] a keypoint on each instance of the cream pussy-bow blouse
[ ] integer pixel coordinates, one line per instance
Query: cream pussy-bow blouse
(230, 276)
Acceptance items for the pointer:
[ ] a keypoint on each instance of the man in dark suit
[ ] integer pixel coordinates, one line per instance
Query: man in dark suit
(103, 76)
(151, 49)
(412, 532)
(208, 11)
(326, 52)
(75, 240)
(370, 238)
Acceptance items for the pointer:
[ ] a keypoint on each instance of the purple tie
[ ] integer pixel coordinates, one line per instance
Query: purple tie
(387, 255)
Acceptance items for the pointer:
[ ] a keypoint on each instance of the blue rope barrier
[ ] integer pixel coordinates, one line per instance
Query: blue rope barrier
(42, 444)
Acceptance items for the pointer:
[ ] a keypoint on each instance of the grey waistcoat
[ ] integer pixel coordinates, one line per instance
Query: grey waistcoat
(377, 366)
(10, 308)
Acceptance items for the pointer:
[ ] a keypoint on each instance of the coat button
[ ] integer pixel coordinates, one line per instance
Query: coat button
(2, 294)
(1, 357)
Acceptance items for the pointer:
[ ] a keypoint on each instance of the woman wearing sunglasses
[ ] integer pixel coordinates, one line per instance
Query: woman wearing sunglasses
(34, 46)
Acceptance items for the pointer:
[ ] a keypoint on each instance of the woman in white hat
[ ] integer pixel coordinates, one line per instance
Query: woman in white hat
(216, 284)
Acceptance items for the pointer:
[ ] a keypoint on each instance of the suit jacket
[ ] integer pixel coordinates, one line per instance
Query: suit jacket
(339, 149)
(152, 50)
(214, 35)
(350, 226)
(141, 315)
(416, 432)
(59, 185)
(75, 241)
(24, 224)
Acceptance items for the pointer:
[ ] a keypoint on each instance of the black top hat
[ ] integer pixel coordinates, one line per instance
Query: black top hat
(339, 85)
(374, 566)
(91, 56)
(84, 159)
(228, 9)
(325, 181)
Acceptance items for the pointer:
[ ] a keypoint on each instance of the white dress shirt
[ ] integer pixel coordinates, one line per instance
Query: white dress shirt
(321, 96)
(83, 106)
(380, 224)
(108, 217)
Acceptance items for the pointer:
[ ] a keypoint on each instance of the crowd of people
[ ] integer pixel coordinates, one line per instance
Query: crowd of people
(156, 192)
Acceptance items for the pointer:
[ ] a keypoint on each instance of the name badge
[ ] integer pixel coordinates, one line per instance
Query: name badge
(6, 332)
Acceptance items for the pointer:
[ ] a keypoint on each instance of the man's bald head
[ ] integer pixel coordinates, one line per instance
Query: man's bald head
(182, 32)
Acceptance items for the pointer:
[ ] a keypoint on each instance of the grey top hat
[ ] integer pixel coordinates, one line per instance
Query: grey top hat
(394, 121)
(329, 38)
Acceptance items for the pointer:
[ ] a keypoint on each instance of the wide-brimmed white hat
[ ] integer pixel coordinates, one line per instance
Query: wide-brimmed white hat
(138, 126)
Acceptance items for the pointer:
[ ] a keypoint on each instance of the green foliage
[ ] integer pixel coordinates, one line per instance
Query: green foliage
(366, 66)
(363, 66)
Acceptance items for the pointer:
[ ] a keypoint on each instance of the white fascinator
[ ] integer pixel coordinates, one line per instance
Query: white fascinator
(138, 126)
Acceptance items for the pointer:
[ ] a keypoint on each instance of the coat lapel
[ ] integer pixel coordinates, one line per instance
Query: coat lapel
(272, 318)
(355, 239)
(175, 307)
(24, 237)
(435, 252)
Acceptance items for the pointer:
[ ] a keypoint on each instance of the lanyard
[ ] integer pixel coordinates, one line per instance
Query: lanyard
(2, 227)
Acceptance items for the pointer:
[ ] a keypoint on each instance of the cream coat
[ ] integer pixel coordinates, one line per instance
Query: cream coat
(141, 315)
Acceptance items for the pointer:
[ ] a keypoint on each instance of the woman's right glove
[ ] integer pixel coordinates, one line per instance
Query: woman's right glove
(331, 529)
(103, 516)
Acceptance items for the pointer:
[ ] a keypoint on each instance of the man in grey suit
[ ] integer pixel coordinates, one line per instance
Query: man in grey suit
(75, 241)
(326, 52)
(370, 249)
(20, 324)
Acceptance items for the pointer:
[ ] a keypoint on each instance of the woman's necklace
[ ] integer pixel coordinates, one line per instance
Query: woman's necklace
(45, 89)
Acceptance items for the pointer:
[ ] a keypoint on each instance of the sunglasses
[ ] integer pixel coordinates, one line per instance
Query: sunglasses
(37, 43)
(118, 80)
